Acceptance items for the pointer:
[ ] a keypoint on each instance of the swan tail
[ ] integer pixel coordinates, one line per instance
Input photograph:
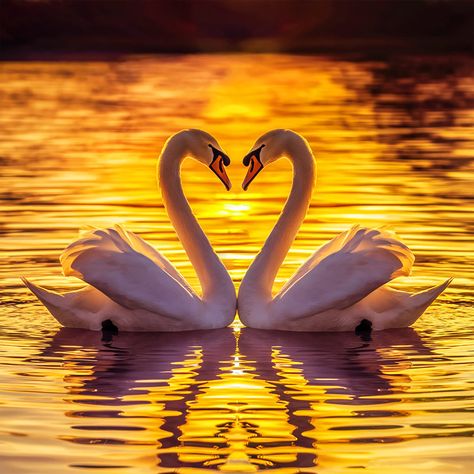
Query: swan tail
(60, 307)
(424, 298)
(392, 308)
(418, 303)
(50, 299)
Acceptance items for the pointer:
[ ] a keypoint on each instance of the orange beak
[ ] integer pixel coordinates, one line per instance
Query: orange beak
(252, 160)
(218, 164)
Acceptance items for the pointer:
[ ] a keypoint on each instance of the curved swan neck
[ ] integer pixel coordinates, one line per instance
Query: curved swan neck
(214, 279)
(262, 272)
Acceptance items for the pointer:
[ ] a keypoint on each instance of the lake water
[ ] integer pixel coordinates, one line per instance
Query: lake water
(395, 146)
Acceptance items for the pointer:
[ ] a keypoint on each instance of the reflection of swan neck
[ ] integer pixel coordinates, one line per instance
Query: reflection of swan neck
(264, 269)
(212, 274)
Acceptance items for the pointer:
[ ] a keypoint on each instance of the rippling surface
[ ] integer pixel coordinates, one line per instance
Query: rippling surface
(394, 143)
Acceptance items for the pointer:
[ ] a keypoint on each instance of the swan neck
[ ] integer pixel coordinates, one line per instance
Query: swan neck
(262, 273)
(213, 276)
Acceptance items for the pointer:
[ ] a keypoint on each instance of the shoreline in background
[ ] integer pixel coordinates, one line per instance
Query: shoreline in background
(30, 28)
(112, 55)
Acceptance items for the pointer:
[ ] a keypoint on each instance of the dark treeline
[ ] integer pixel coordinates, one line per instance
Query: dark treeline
(29, 26)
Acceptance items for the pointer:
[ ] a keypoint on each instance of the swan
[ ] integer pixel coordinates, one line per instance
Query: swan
(342, 286)
(131, 286)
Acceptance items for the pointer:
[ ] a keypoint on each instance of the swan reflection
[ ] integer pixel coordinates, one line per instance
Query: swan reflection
(231, 399)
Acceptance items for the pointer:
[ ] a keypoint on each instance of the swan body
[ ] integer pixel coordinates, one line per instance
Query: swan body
(342, 283)
(133, 286)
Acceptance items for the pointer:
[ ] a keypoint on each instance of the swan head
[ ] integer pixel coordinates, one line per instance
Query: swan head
(268, 148)
(204, 148)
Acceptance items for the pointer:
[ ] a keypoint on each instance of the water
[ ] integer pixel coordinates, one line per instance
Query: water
(394, 143)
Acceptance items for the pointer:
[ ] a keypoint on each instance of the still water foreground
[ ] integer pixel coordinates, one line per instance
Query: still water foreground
(394, 146)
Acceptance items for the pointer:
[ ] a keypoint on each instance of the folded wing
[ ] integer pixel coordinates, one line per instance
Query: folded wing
(130, 272)
(344, 271)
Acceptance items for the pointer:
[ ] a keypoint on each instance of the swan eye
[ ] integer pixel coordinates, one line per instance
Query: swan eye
(254, 153)
(255, 165)
(219, 161)
(218, 153)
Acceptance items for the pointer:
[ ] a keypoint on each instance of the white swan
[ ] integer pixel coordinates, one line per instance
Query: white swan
(343, 283)
(130, 284)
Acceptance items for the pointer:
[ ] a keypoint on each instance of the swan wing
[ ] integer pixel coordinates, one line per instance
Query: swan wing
(140, 245)
(106, 259)
(328, 248)
(343, 272)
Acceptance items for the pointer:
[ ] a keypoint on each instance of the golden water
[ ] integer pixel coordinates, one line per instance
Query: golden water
(394, 143)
